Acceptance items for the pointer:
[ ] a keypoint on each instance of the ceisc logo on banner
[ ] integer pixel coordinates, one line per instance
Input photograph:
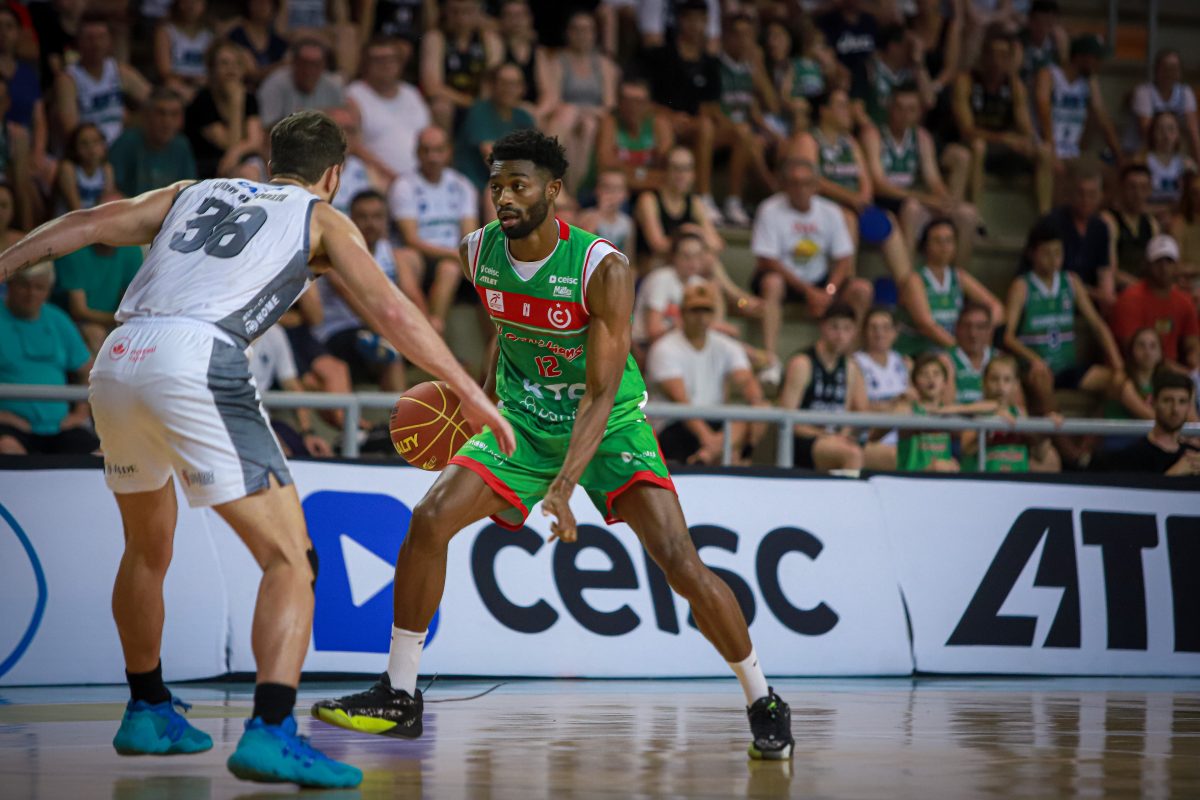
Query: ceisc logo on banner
(357, 536)
(20, 566)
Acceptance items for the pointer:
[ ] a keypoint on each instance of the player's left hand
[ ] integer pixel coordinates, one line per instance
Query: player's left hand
(557, 504)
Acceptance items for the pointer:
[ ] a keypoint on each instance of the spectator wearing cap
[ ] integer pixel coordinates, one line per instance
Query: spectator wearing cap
(803, 252)
(1163, 451)
(1088, 250)
(154, 153)
(1167, 93)
(1131, 226)
(695, 365)
(40, 345)
(306, 83)
(825, 378)
(390, 112)
(97, 87)
(852, 34)
(686, 81)
(1068, 100)
(991, 117)
(1156, 302)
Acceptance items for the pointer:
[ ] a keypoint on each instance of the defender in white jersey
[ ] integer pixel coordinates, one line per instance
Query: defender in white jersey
(173, 396)
(1068, 98)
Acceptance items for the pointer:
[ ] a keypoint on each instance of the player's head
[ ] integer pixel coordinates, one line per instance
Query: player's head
(526, 178)
(308, 147)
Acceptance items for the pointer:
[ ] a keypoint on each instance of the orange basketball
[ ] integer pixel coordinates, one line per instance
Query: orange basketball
(427, 425)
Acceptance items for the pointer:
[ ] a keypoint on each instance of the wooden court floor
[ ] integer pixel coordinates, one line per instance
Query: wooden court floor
(557, 740)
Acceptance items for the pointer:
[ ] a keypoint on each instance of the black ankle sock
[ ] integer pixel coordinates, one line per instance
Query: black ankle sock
(148, 686)
(274, 702)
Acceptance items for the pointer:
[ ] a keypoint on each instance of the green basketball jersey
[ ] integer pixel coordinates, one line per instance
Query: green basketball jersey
(917, 450)
(636, 151)
(901, 160)
(883, 82)
(945, 303)
(542, 326)
(968, 381)
(836, 161)
(808, 78)
(1048, 321)
(737, 89)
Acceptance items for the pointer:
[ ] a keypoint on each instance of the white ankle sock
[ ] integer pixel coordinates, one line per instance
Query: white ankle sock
(404, 657)
(749, 674)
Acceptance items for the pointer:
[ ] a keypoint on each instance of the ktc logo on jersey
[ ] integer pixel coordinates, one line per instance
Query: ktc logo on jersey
(559, 317)
(495, 300)
(357, 536)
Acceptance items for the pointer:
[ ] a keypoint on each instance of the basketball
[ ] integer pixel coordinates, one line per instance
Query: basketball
(427, 425)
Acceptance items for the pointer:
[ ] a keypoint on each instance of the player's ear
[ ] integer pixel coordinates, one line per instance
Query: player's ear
(554, 188)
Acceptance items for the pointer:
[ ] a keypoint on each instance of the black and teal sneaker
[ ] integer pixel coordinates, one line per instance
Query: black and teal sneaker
(771, 726)
(380, 710)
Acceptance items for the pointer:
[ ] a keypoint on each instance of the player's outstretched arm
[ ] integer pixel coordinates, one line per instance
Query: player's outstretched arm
(136, 220)
(610, 305)
(398, 320)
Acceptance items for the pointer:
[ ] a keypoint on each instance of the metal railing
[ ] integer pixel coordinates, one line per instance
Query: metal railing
(784, 420)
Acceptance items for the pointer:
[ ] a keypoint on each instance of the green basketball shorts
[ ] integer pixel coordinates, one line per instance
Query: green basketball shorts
(627, 454)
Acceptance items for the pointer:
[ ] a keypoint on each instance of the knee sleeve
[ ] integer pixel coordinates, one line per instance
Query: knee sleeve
(314, 564)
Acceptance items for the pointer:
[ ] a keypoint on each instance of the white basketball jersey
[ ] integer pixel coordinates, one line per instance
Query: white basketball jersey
(230, 252)
(187, 52)
(886, 382)
(1166, 178)
(338, 315)
(1068, 111)
(100, 99)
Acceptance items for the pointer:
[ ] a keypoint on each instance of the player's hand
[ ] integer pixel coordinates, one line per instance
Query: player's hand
(1007, 416)
(818, 301)
(1189, 464)
(480, 411)
(557, 505)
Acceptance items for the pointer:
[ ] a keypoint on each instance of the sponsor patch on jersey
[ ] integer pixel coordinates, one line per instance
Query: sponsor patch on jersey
(495, 300)
(562, 291)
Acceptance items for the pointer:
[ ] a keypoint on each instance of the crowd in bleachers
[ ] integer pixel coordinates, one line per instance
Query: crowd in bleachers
(810, 131)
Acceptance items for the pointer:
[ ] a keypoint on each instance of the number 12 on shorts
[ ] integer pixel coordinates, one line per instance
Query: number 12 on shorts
(547, 366)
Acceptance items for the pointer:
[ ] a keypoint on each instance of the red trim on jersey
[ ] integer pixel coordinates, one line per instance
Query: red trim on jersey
(564, 230)
(542, 312)
(641, 476)
(584, 277)
(496, 485)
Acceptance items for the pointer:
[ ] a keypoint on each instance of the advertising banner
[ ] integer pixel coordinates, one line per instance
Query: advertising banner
(1047, 578)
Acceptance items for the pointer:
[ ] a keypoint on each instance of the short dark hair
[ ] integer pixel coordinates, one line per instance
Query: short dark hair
(161, 94)
(839, 310)
(971, 307)
(878, 311)
(906, 87)
(531, 145)
(305, 144)
(367, 194)
(1167, 378)
(1044, 231)
(683, 236)
(936, 222)
(927, 358)
(1135, 167)
(1043, 7)
(889, 34)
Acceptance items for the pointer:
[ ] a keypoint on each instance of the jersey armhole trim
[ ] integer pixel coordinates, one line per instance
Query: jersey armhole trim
(308, 233)
(474, 240)
(589, 270)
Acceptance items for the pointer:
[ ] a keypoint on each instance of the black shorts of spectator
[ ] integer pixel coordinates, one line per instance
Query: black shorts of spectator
(72, 441)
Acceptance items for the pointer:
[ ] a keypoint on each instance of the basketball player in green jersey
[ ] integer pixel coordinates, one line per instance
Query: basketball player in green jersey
(562, 303)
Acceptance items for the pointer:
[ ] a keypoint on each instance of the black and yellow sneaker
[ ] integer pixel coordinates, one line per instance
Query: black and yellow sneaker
(381, 710)
(771, 726)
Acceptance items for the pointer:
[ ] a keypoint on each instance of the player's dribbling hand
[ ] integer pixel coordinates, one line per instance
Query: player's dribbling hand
(485, 413)
(557, 504)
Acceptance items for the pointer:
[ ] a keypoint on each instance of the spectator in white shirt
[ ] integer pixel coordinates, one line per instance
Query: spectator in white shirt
(307, 83)
(803, 252)
(391, 111)
(434, 208)
(657, 305)
(271, 363)
(1167, 92)
(695, 365)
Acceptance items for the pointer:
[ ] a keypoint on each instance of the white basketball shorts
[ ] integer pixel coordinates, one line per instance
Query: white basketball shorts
(176, 395)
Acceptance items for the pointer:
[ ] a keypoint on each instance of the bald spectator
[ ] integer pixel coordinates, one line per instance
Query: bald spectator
(390, 111)
(40, 345)
(306, 84)
(434, 209)
(695, 365)
(154, 153)
(97, 88)
(1157, 302)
